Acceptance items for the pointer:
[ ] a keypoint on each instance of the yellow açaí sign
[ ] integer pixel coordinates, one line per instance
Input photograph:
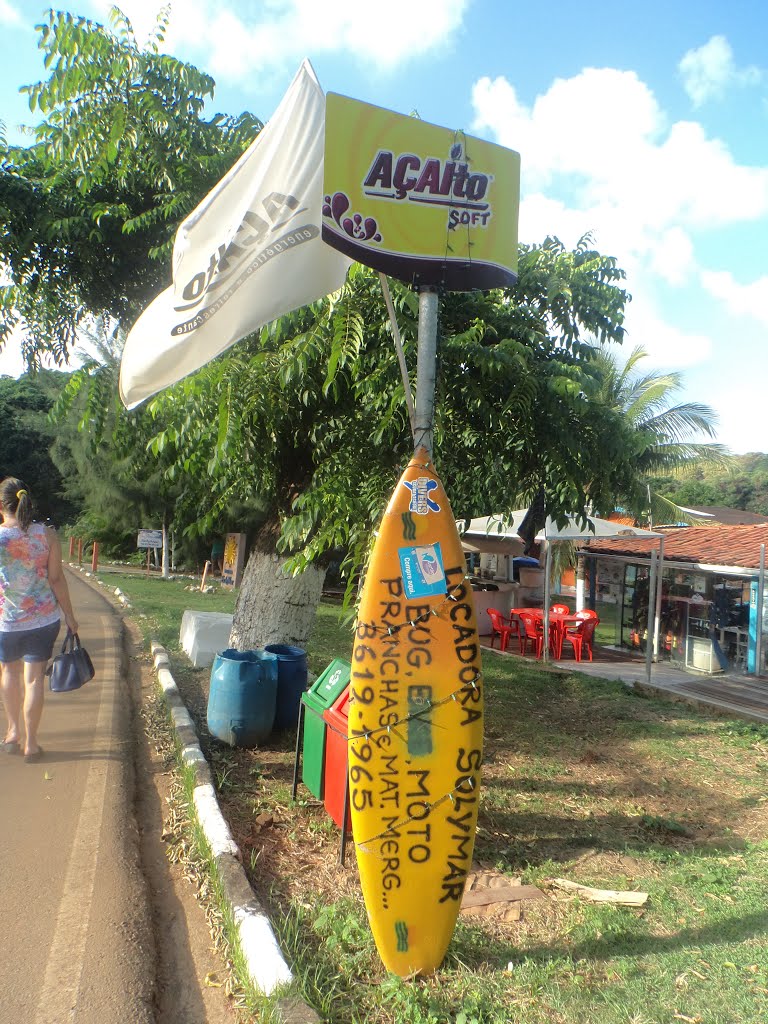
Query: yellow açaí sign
(424, 204)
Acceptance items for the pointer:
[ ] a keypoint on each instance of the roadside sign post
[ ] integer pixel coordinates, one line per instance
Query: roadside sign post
(149, 539)
(437, 210)
(430, 206)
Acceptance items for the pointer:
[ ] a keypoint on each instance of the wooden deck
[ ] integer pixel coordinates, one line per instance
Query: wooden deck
(741, 696)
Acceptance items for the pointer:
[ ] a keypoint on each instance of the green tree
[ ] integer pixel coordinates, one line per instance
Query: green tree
(123, 153)
(743, 486)
(663, 435)
(304, 424)
(26, 440)
(309, 419)
(102, 452)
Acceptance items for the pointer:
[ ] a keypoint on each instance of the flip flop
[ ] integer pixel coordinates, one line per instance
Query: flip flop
(34, 757)
(11, 747)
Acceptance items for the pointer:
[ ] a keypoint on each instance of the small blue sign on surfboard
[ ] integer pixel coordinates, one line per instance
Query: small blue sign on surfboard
(422, 570)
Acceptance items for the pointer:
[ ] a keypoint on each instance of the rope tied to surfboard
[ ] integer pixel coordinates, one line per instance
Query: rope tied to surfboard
(394, 828)
(430, 705)
(451, 595)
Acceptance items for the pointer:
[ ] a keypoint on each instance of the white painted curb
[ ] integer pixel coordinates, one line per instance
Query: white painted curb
(264, 960)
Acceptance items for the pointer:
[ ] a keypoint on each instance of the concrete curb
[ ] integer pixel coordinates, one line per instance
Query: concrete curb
(264, 961)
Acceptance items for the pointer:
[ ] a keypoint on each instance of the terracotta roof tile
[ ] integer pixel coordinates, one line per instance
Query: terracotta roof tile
(709, 545)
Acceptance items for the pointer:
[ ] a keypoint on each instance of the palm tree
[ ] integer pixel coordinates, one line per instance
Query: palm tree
(665, 436)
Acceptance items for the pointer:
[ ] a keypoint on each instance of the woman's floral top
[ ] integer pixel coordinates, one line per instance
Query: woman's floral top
(26, 598)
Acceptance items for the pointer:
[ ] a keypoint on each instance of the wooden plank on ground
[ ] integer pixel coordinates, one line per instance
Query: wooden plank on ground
(507, 894)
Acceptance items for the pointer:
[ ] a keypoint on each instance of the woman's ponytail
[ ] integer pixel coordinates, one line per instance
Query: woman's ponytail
(16, 501)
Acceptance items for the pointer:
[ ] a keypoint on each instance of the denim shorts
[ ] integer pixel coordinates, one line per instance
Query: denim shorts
(29, 644)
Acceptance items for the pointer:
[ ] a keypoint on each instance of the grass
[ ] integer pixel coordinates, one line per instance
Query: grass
(159, 604)
(581, 779)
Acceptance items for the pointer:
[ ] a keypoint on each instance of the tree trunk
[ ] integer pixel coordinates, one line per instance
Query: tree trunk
(274, 607)
(166, 572)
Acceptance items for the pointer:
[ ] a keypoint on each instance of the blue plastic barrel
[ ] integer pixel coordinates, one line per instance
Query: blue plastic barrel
(242, 696)
(291, 683)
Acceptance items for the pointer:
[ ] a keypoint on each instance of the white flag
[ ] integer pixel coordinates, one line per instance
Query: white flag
(249, 253)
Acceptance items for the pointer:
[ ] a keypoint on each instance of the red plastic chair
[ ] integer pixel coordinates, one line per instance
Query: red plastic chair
(584, 614)
(560, 609)
(533, 632)
(504, 630)
(581, 638)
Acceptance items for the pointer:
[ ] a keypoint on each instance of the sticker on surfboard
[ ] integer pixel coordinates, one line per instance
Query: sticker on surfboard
(422, 570)
(422, 503)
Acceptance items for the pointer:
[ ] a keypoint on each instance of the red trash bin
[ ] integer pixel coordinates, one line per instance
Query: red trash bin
(336, 718)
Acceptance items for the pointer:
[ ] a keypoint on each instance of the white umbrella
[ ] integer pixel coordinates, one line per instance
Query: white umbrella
(495, 535)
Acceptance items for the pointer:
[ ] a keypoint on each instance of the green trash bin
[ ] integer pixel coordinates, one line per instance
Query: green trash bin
(317, 699)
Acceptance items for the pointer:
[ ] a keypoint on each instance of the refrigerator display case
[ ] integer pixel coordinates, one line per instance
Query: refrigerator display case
(634, 607)
(757, 643)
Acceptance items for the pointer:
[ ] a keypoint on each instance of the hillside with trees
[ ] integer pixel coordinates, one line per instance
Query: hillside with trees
(743, 486)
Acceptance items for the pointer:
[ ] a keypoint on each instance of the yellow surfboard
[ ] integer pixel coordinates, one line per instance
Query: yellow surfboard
(415, 726)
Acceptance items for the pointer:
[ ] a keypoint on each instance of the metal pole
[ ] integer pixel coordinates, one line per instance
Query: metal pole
(297, 758)
(426, 369)
(580, 574)
(345, 812)
(657, 617)
(651, 616)
(547, 598)
(759, 610)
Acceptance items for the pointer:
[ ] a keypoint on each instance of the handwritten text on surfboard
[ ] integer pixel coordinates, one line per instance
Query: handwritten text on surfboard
(385, 675)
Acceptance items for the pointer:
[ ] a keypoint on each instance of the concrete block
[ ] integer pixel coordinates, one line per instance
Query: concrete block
(203, 635)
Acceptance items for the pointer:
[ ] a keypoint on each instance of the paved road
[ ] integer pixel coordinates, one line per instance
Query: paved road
(77, 947)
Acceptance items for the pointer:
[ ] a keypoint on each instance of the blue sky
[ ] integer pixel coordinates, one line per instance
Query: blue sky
(645, 123)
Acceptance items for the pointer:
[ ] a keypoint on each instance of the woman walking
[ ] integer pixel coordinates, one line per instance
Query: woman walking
(33, 595)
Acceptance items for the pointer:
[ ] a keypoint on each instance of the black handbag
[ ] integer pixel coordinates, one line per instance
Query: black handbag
(73, 667)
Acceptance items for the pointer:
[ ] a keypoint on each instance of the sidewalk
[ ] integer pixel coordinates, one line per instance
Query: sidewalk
(736, 695)
(77, 921)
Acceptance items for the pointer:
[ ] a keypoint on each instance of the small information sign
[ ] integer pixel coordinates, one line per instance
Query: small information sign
(150, 539)
(234, 559)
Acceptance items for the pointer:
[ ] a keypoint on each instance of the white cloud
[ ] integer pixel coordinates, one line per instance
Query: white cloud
(673, 257)
(11, 363)
(142, 14)
(600, 154)
(737, 429)
(744, 300)
(708, 71)
(600, 148)
(667, 345)
(233, 43)
(9, 15)
(601, 141)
